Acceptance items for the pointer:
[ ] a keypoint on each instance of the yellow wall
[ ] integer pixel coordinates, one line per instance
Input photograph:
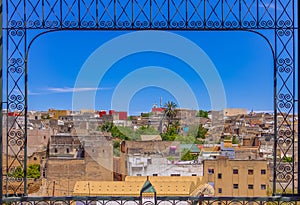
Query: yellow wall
(225, 167)
(55, 114)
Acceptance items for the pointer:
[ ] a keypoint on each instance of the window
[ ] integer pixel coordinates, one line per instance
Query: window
(235, 186)
(250, 171)
(219, 176)
(250, 186)
(211, 171)
(155, 174)
(55, 150)
(263, 187)
(68, 150)
(235, 171)
(172, 150)
(44, 172)
(263, 171)
(219, 190)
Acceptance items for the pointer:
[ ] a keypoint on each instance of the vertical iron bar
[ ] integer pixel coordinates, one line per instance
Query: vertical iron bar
(186, 14)
(240, 13)
(97, 14)
(43, 13)
(61, 13)
(7, 105)
(275, 23)
(293, 125)
(222, 21)
(257, 14)
(79, 18)
(115, 13)
(168, 14)
(1, 103)
(132, 14)
(294, 101)
(79, 13)
(150, 19)
(275, 117)
(297, 26)
(25, 117)
(26, 106)
(204, 14)
(275, 107)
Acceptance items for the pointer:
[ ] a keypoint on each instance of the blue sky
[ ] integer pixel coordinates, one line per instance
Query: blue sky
(243, 61)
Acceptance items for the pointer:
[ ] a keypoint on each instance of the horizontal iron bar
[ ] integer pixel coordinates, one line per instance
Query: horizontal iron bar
(125, 198)
(149, 28)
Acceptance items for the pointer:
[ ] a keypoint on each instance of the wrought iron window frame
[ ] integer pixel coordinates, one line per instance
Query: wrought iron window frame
(26, 20)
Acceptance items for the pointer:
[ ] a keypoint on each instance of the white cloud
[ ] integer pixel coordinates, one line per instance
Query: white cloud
(65, 90)
(71, 90)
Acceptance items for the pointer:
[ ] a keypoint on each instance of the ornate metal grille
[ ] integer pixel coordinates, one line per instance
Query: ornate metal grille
(160, 200)
(25, 20)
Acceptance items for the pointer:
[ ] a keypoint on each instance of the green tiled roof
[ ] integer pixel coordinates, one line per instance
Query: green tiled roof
(192, 147)
(148, 188)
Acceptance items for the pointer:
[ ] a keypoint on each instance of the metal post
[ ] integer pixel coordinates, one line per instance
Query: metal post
(297, 67)
(26, 102)
(1, 104)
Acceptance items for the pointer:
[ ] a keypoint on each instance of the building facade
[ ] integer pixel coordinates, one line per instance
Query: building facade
(245, 178)
(75, 158)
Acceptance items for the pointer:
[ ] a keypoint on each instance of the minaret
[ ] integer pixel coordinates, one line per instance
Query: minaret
(160, 102)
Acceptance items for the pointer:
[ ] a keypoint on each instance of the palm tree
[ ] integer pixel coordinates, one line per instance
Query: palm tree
(176, 125)
(170, 112)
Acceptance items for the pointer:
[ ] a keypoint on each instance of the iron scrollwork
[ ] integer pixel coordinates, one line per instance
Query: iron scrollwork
(25, 19)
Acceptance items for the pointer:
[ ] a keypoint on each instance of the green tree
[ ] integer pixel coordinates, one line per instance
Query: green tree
(170, 135)
(33, 171)
(129, 133)
(147, 130)
(198, 132)
(116, 145)
(202, 113)
(146, 114)
(187, 156)
(18, 172)
(187, 139)
(170, 112)
(201, 132)
(176, 125)
(235, 140)
(116, 133)
(114, 130)
(107, 127)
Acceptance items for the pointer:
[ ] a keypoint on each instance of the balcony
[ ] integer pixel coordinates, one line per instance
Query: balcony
(168, 200)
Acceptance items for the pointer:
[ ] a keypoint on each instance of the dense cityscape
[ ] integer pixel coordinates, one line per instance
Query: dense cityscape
(201, 153)
(80, 123)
